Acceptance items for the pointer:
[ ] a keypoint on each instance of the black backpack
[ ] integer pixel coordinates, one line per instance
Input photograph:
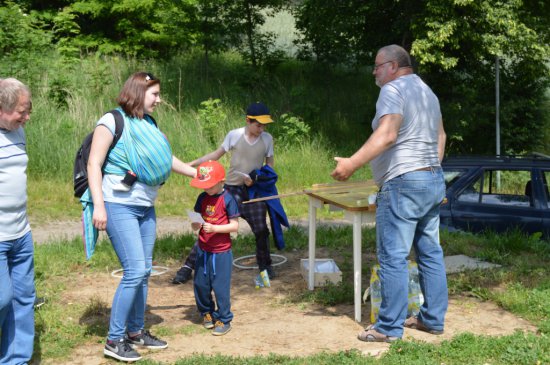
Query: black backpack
(80, 169)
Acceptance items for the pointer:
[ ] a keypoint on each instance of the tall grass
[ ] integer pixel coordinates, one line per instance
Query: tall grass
(71, 98)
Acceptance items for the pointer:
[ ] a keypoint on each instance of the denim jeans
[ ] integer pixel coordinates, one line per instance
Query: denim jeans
(132, 230)
(407, 215)
(17, 296)
(213, 274)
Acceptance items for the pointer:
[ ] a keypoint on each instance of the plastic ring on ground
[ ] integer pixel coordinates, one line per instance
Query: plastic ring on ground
(278, 260)
(155, 271)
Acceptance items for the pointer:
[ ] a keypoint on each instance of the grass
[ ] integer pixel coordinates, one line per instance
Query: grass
(521, 286)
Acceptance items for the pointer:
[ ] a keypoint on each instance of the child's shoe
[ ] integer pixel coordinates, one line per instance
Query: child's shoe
(221, 328)
(207, 321)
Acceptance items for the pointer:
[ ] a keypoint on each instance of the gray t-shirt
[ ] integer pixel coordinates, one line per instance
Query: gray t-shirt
(13, 185)
(416, 145)
(245, 156)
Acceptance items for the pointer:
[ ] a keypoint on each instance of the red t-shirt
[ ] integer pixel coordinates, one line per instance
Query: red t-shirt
(216, 209)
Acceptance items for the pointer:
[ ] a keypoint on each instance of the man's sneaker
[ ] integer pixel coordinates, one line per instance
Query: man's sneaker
(182, 276)
(207, 321)
(147, 340)
(221, 328)
(121, 350)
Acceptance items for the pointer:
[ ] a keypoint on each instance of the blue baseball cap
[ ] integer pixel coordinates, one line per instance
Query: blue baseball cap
(259, 112)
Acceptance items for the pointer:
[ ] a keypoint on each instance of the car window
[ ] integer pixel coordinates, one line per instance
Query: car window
(500, 187)
(452, 175)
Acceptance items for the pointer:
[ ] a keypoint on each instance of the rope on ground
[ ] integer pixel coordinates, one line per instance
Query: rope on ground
(279, 260)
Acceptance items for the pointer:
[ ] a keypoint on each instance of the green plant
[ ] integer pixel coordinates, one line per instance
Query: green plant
(212, 117)
(294, 131)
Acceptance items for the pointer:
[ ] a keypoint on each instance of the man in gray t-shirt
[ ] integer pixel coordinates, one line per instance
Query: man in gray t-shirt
(404, 150)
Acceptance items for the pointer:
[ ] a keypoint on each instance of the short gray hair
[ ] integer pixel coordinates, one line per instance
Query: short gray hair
(393, 52)
(10, 91)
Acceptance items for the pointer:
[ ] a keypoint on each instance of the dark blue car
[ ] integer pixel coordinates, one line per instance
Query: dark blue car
(497, 194)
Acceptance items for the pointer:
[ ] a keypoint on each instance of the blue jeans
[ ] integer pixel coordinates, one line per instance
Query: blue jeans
(17, 296)
(213, 274)
(407, 214)
(132, 230)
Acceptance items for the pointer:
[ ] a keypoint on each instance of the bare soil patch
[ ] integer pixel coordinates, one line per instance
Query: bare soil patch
(267, 320)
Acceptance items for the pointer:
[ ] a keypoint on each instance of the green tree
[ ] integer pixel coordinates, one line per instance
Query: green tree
(22, 43)
(454, 44)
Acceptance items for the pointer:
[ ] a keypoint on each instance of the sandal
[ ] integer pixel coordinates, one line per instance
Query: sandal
(372, 335)
(415, 323)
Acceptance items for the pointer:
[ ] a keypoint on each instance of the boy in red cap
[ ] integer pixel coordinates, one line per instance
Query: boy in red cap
(214, 260)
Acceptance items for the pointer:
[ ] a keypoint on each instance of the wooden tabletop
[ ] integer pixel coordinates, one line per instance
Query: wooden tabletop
(352, 196)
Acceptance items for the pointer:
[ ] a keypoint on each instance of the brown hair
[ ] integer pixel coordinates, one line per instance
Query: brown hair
(133, 93)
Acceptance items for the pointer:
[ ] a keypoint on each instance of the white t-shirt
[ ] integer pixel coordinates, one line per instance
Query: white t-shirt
(13, 185)
(245, 156)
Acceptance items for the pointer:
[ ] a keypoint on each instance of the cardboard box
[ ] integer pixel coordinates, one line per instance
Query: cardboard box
(326, 271)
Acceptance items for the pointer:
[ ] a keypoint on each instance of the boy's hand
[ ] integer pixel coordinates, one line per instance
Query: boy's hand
(209, 228)
(195, 226)
(248, 181)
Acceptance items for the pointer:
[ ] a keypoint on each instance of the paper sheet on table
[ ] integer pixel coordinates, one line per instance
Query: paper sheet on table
(195, 217)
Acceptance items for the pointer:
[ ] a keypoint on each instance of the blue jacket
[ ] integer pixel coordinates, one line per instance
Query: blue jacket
(264, 186)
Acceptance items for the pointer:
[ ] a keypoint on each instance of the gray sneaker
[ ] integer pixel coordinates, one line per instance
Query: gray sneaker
(221, 328)
(147, 340)
(121, 350)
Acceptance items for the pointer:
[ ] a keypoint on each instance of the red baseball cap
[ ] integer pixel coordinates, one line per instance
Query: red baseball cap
(208, 174)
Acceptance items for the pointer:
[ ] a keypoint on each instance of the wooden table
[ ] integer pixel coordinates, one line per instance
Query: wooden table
(353, 198)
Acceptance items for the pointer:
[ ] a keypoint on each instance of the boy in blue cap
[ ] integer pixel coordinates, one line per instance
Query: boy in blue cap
(251, 147)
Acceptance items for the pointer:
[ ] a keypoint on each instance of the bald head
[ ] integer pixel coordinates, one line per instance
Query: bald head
(396, 53)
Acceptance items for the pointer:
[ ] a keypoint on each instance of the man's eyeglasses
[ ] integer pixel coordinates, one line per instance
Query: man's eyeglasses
(375, 67)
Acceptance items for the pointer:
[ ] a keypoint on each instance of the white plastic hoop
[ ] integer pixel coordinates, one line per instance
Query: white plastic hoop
(281, 260)
(155, 271)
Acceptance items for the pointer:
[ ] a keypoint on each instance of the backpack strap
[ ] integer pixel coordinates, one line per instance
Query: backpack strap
(119, 126)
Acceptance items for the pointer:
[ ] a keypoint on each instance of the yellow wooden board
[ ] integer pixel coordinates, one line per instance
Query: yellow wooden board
(353, 196)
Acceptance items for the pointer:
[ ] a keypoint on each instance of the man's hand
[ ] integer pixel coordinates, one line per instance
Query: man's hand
(344, 169)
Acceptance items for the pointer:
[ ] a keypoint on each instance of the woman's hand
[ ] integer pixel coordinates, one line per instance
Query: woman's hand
(99, 218)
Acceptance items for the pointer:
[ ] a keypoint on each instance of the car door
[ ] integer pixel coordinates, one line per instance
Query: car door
(542, 199)
(496, 199)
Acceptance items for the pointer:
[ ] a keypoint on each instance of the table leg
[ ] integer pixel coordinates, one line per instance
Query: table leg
(357, 264)
(313, 204)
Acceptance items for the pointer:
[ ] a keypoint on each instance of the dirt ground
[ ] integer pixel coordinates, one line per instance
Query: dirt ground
(266, 320)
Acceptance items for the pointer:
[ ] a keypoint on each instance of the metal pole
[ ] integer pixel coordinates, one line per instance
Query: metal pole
(497, 112)
(497, 102)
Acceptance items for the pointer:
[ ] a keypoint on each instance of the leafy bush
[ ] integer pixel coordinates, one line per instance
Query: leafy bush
(23, 45)
(213, 117)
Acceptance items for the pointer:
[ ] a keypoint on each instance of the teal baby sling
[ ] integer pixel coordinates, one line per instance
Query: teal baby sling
(145, 151)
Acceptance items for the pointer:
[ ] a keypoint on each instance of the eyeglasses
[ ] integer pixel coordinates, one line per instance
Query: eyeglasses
(375, 66)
